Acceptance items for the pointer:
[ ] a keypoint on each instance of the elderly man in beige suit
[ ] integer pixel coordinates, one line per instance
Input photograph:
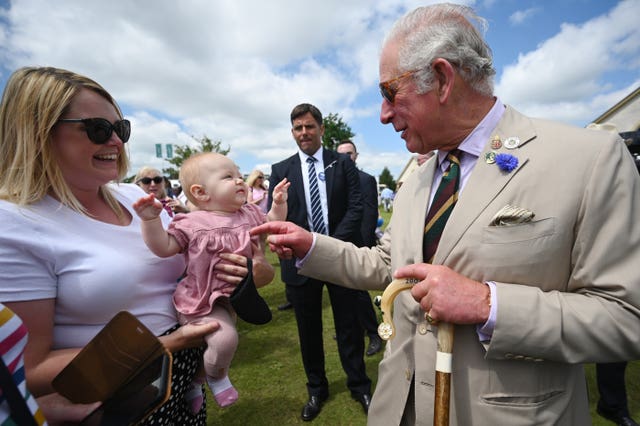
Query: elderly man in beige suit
(537, 266)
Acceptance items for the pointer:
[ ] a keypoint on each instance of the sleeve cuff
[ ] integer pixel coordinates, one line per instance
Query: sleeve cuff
(485, 331)
(300, 262)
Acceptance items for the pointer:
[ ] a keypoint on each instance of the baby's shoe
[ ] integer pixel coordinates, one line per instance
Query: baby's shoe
(195, 396)
(223, 391)
(226, 397)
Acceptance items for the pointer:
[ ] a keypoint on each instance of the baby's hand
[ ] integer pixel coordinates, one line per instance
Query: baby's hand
(280, 193)
(148, 207)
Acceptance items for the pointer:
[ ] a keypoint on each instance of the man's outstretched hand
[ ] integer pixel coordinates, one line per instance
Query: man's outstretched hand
(286, 239)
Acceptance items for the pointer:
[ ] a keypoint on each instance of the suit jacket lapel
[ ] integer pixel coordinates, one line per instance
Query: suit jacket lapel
(486, 181)
(297, 183)
(421, 201)
(330, 160)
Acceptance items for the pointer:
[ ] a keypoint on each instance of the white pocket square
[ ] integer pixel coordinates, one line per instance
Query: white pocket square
(511, 215)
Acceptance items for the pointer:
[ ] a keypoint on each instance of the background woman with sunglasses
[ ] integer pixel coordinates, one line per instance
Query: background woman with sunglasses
(71, 251)
(152, 182)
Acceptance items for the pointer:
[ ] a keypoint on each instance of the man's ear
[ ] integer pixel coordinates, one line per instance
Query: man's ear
(445, 75)
(199, 192)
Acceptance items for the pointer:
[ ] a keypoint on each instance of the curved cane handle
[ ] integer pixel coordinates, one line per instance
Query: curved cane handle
(386, 329)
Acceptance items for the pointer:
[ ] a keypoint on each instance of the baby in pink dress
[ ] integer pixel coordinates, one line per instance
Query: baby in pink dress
(221, 224)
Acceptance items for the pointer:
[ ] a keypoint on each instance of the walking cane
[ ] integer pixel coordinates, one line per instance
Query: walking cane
(444, 359)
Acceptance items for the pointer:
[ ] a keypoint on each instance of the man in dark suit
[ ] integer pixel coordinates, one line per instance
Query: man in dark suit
(324, 197)
(369, 189)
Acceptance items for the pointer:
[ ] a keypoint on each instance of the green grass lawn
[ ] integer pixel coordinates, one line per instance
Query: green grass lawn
(267, 371)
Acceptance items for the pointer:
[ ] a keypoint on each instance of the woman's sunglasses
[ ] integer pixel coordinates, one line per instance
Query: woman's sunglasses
(99, 130)
(147, 180)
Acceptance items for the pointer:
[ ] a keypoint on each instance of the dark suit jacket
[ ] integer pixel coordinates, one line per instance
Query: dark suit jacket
(343, 199)
(369, 189)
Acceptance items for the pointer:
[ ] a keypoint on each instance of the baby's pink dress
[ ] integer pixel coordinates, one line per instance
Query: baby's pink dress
(202, 236)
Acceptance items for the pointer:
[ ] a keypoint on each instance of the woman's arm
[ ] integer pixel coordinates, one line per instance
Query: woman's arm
(188, 336)
(58, 410)
(41, 363)
(263, 271)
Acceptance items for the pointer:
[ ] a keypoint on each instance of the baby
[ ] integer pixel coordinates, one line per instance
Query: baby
(220, 224)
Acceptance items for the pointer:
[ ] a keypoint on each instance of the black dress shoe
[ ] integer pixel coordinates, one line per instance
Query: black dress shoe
(626, 421)
(619, 419)
(285, 306)
(312, 408)
(365, 400)
(375, 345)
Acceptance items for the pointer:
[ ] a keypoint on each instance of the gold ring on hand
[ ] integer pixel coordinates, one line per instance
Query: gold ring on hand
(429, 319)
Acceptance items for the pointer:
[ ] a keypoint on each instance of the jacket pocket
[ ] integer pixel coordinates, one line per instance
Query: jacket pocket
(517, 233)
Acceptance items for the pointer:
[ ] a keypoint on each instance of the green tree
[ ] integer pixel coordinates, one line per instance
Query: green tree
(387, 179)
(182, 152)
(335, 131)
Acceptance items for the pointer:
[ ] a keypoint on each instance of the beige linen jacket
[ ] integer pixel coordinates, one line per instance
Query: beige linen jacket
(568, 282)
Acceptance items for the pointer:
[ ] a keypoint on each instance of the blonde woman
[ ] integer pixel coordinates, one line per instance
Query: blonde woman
(71, 250)
(258, 191)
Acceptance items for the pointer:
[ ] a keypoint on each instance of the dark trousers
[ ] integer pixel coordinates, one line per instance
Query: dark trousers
(307, 305)
(611, 386)
(366, 314)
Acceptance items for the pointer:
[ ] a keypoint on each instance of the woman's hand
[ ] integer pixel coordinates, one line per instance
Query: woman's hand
(177, 206)
(234, 268)
(188, 336)
(58, 410)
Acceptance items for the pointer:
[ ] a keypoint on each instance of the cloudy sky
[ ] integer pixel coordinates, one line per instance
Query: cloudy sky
(233, 69)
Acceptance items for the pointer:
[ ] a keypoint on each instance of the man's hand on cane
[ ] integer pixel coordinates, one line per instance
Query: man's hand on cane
(447, 296)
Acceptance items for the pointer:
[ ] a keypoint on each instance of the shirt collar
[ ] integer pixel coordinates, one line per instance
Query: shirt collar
(317, 155)
(475, 142)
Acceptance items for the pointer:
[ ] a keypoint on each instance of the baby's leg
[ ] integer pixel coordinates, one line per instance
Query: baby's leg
(221, 346)
(194, 396)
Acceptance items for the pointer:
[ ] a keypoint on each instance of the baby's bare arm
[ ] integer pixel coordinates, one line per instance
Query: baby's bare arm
(155, 237)
(279, 205)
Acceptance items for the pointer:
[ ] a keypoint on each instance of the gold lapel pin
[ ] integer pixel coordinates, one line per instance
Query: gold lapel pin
(496, 143)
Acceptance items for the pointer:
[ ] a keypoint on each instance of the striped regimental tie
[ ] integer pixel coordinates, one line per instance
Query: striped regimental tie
(316, 205)
(442, 205)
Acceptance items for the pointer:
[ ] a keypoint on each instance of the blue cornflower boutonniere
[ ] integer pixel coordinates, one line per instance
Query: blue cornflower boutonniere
(506, 162)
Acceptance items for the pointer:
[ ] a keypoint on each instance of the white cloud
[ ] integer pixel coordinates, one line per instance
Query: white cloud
(232, 70)
(520, 16)
(559, 79)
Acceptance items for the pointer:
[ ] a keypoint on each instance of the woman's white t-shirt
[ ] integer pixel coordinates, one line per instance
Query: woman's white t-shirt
(93, 269)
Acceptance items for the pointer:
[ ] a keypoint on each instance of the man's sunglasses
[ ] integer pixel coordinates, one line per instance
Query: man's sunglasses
(147, 180)
(99, 130)
(389, 88)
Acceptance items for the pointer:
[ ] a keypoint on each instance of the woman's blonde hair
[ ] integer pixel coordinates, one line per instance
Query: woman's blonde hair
(33, 101)
(253, 176)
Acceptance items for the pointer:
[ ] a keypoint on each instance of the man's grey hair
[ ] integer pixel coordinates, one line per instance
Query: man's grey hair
(444, 31)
